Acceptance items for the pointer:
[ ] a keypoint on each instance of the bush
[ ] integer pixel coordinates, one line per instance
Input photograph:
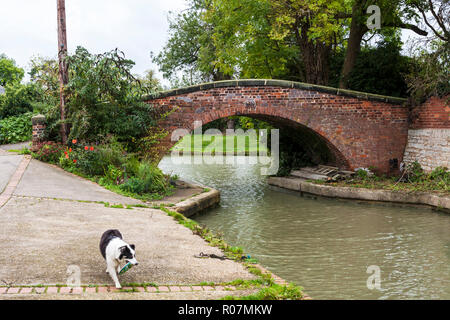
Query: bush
(149, 179)
(114, 175)
(16, 129)
(89, 162)
(415, 172)
(93, 160)
(48, 151)
(17, 100)
(104, 98)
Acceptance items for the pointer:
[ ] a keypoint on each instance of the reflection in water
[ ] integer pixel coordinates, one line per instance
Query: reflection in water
(326, 245)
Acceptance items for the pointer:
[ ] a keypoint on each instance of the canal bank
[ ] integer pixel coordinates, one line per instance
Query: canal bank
(439, 202)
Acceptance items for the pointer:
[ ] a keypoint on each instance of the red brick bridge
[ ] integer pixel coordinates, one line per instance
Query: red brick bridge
(360, 129)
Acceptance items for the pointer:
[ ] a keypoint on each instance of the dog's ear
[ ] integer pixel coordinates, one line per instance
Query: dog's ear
(132, 246)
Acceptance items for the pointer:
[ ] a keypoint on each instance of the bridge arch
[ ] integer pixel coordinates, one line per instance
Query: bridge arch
(360, 129)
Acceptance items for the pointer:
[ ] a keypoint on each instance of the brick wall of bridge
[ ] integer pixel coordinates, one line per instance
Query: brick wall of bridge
(361, 132)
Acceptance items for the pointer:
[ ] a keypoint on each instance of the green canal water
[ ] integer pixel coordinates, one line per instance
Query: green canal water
(324, 245)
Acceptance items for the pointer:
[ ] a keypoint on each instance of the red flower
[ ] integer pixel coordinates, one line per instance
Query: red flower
(74, 160)
(92, 148)
(67, 156)
(70, 149)
(65, 152)
(74, 141)
(86, 148)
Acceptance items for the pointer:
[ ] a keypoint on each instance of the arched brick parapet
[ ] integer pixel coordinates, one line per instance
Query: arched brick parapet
(361, 129)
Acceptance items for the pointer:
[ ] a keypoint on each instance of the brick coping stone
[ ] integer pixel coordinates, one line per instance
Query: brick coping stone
(275, 83)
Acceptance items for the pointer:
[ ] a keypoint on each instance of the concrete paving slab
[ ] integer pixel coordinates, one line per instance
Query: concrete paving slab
(8, 165)
(42, 237)
(47, 181)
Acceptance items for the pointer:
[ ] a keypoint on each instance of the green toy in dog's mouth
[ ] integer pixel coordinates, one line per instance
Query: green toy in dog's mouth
(126, 267)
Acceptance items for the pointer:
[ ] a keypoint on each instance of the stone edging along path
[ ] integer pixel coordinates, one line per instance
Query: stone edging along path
(106, 289)
(414, 198)
(14, 181)
(59, 289)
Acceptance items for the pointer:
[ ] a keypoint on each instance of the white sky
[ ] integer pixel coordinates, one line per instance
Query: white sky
(28, 28)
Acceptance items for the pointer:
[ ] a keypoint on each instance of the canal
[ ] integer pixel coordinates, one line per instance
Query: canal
(329, 247)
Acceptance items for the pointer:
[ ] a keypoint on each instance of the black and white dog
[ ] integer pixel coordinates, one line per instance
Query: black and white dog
(114, 249)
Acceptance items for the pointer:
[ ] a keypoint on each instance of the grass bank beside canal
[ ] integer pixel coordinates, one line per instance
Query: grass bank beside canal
(218, 144)
(414, 179)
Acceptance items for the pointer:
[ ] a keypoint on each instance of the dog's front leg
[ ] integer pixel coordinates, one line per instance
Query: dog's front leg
(113, 273)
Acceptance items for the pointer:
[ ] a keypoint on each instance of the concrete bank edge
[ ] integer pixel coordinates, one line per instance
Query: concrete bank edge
(415, 198)
(198, 203)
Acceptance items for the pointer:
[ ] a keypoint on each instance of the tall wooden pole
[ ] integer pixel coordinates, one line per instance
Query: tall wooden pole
(62, 54)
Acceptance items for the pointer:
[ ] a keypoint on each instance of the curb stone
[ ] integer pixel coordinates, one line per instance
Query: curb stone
(108, 289)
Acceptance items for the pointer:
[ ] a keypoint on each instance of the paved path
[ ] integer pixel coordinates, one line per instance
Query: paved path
(51, 220)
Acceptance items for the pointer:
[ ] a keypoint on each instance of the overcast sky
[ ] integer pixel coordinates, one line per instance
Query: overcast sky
(28, 27)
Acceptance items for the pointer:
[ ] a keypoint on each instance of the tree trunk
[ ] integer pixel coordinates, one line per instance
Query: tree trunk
(316, 63)
(315, 56)
(357, 30)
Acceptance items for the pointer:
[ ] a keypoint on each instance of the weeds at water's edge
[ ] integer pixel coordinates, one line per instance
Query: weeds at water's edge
(273, 292)
(270, 290)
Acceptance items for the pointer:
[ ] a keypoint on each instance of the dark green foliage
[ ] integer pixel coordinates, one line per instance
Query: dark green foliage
(148, 179)
(18, 99)
(438, 179)
(379, 70)
(9, 72)
(415, 172)
(89, 162)
(104, 98)
(16, 129)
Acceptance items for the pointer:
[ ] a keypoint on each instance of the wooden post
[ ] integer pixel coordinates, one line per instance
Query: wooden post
(62, 54)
